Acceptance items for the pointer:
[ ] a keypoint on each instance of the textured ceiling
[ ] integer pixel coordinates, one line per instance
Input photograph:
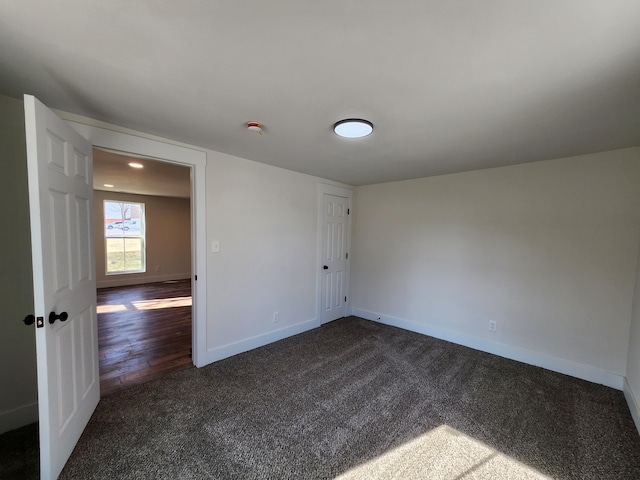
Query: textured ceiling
(450, 85)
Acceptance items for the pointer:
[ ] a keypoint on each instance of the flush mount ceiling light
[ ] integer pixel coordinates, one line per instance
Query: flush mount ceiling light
(136, 165)
(353, 128)
(108, 185)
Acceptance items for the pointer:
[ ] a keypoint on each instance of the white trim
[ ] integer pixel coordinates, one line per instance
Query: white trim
(242, 346)
(560, 365)
(132, 279)
(18, 417)
(632, 401)
(197, 160)
(139, 145)
(323, 189)
(335, 190)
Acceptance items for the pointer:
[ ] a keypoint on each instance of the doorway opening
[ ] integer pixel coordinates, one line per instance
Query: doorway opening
(142, 232)
(64, 411)
(144, 333)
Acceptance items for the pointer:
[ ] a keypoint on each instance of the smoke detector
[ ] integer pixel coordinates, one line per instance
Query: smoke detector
(254, 127)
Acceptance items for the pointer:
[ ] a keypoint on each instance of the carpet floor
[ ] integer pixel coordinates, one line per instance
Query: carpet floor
(359, 400)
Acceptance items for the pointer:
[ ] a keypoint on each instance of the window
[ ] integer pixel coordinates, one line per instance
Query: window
(124, 237)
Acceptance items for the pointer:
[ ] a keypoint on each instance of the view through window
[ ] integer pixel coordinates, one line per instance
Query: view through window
(124, 237)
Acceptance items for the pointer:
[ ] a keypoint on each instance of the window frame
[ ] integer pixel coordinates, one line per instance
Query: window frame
(141, 236)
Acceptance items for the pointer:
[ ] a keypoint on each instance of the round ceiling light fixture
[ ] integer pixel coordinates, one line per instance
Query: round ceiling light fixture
(353, 128)
(136, 165)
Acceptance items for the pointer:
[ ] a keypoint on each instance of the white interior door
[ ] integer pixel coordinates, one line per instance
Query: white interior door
(61, 207)
(334, 257)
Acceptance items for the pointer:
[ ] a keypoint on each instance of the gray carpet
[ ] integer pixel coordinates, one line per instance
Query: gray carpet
(354, 400)
(19, 453)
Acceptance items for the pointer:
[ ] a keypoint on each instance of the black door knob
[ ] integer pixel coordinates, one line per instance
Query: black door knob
(62, 317)
(29, 319)
(325, 267)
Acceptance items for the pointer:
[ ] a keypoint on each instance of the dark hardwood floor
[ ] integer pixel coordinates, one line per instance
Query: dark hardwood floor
(144, 332)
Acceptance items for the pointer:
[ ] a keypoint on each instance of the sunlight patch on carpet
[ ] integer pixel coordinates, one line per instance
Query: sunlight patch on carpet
(443, 453)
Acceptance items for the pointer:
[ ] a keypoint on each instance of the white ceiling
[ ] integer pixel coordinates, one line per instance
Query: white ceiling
(155, 178)
(450, 85)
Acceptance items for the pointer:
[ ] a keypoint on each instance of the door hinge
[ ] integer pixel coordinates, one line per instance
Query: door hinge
(345, 299)
(347, 255)
(196, 278)
(348, 210)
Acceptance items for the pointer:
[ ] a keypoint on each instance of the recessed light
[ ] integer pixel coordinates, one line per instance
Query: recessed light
(136, 165)
(108, 185)
(353, 128)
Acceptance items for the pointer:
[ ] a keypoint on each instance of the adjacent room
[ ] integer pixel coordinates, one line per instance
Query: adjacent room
(324, 241)
(142, 219)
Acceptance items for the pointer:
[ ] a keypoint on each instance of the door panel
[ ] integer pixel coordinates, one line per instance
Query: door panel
(66, 398)
(334, 225)
(60, 202)
(87, 323)
(59, 259)
(84, 260)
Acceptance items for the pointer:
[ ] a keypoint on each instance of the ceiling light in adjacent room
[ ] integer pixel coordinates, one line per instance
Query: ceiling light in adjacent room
(353, 128)
(108, 185)
(136, 165)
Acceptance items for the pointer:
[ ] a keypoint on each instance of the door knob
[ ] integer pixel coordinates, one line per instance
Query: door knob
(31, 319)
(325, 267)
(62, 317)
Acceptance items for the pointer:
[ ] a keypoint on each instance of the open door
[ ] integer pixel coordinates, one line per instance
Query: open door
(64, 286)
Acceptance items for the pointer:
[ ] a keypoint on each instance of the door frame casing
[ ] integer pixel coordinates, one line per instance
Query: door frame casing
(326, 189)
(190, 157)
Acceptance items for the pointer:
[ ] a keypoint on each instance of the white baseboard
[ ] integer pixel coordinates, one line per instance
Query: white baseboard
(632, 401)
(560, 365)
(218, 353)
(124, 280)
(18, 417)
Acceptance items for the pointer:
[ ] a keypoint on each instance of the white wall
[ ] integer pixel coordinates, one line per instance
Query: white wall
(18, 382)
(168, 239)
(546, 249)
(632, 384)
(266, 221)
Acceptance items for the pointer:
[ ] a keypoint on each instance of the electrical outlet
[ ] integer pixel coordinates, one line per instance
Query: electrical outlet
(276, 317)
(493, 326)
